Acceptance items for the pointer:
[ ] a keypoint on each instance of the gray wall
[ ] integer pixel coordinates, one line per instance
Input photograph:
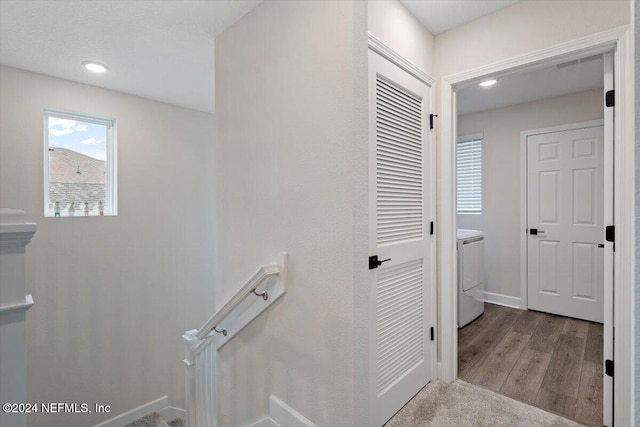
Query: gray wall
(500, 217)
(113, 295)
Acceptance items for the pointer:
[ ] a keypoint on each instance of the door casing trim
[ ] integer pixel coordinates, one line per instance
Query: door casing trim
(620, 41)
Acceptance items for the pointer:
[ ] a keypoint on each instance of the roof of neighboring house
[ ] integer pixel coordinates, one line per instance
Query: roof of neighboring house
(78, 193)
(72, 167)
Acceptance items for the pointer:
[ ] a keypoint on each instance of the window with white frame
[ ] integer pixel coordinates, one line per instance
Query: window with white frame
(469, 173)
(79, 165)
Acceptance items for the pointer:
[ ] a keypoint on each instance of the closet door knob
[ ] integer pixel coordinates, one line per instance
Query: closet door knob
(374, 263)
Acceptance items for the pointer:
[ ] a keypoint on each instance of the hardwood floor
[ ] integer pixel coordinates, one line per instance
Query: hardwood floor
(551, 362)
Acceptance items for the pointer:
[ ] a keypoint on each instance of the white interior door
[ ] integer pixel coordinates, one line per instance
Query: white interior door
(565, 203)
(400, 200)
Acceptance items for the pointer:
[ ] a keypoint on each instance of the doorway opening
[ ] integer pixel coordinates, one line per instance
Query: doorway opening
(617, 40)
(533, 194)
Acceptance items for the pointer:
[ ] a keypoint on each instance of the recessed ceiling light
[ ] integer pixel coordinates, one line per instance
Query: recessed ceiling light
(96, 67)
(488, 83)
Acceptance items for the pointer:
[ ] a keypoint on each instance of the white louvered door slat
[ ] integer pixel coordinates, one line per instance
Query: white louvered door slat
(401, 352)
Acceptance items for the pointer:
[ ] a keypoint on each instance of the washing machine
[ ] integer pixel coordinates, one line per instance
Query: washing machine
(471, 277)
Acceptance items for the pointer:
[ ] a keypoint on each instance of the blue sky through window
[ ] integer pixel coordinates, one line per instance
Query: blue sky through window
(83, 137)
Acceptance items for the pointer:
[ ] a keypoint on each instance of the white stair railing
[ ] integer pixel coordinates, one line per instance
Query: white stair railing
(268, 284)
(15, 234)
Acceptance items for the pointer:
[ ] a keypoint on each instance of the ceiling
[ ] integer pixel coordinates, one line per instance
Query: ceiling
(157, 49)
(556, 80)
(442, 15)
(164, 49)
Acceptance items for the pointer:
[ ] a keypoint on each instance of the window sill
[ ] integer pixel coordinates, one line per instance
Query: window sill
(79, 216)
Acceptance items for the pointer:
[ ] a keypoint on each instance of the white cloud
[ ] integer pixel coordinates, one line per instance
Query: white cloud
(62, 123)
(59, 132)
(81, 128)
(90, 141)
(61, 127)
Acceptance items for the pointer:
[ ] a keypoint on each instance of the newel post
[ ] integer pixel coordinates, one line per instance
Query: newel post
(190, 341)
(15, 234)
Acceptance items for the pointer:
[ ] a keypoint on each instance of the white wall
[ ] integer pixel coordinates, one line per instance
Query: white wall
(500, 217)
(391, 22)
(524, 27)
(284, 85)
(112, 294)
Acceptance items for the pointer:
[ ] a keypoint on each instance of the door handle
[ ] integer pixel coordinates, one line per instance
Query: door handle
(374, 263)
(535, 231)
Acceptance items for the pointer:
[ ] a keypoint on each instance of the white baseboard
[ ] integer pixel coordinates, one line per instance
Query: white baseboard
(284, 415)
(281, 414)
(500, 299)
(160, 405)
(266, 422)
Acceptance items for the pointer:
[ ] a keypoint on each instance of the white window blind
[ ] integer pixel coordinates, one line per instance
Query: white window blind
(469, 174)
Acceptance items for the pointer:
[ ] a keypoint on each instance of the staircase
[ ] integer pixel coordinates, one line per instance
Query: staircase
(261, 290)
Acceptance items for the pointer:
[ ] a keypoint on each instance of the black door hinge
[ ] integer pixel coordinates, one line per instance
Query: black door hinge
(431, 228)
(374, 263)
(431, 116)
(610, 98)
(608, 367)
(432, 334)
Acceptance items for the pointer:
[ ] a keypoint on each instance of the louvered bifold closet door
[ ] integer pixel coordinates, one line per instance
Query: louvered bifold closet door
(400, 203)
(399, 164)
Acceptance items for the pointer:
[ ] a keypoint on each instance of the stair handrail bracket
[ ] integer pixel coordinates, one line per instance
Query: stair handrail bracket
(251, 285)
(261, 290)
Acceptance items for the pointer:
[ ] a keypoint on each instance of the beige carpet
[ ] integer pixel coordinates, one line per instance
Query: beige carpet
(461, 404)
